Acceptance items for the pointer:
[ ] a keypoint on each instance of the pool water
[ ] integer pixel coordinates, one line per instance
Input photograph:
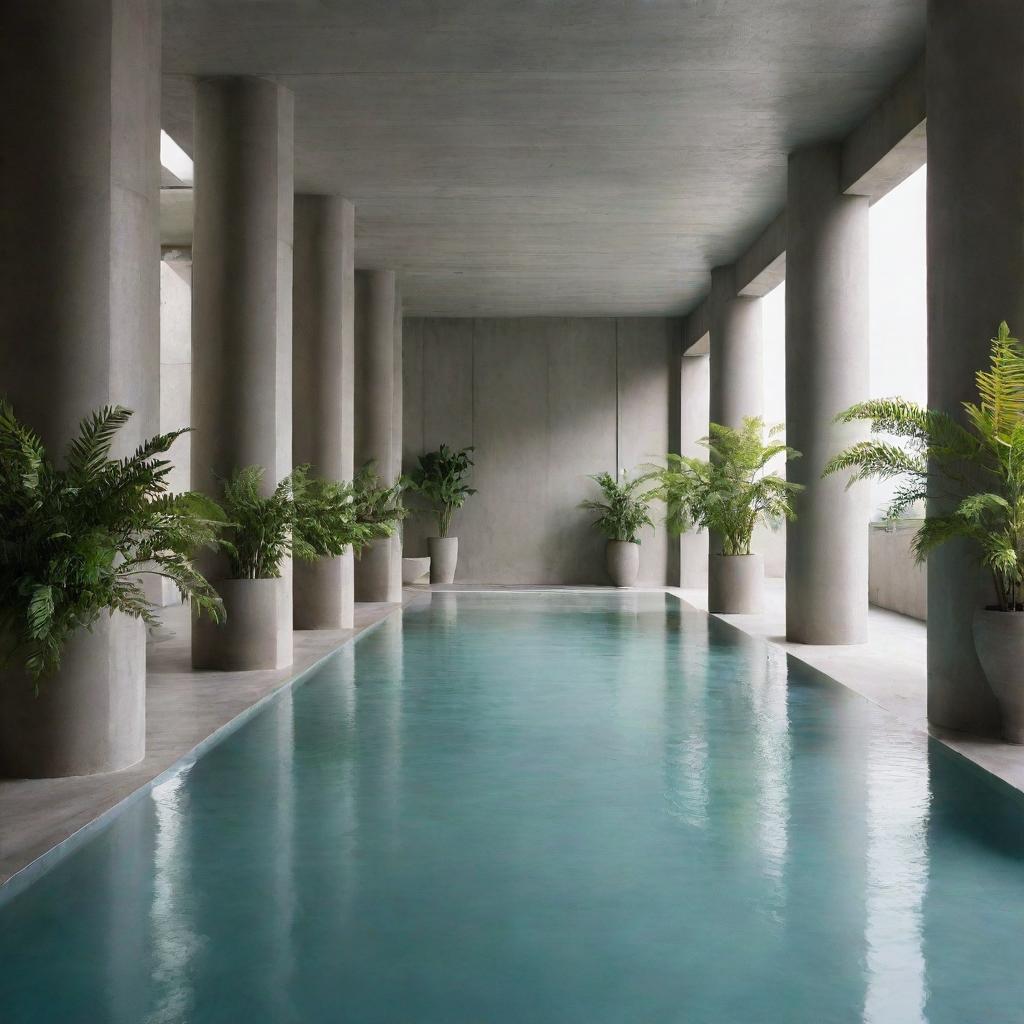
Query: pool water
(543, 808)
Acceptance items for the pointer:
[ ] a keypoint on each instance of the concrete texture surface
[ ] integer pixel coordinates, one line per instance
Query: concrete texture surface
(827, 360)
(975, 269)
(551, 158)
(186, 711)
(695, 392)
(889, 670)
(323, 386)
(377, 432)
(895, 582)
(546, 402)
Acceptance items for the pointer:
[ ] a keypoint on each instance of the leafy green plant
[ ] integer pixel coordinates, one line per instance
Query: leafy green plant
(732, 490)
(305, 516)
(624, 511)
(972, 475)
(76, 541)
(441, 478)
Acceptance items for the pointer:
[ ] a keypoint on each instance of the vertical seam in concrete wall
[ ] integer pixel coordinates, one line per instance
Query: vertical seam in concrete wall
(618, 421)
(472, 378)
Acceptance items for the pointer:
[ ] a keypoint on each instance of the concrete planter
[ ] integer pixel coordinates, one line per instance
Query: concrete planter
(414, 569)
(623, 559)
(89, 716)
(735, 584)
(258, 631)
(999, 641)
(444, 556)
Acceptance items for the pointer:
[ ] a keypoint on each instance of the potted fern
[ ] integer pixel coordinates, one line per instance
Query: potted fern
(303, 516)
(441, 478)
(729, 494)
(77, 542)
(620, 517)
(972, 477)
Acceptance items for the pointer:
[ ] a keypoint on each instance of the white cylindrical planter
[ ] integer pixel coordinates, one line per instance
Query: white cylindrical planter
(999, 641)
(444, 556)
(735, 584)
(257, 633)
(89, 715)
(623, 558)
(414, 569)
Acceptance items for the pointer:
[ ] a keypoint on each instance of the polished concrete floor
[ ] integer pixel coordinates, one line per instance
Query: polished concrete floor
(184, 711)
(890, 669)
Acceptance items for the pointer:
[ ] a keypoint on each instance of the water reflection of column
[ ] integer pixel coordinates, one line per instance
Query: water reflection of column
(282, 881)
(897, 877)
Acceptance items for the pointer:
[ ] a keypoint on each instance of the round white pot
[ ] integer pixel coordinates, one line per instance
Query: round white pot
(735, 584)
(258, 630)
(89, 716)
(414, 569)
(623, 559)
(444, 556)
(999, 641)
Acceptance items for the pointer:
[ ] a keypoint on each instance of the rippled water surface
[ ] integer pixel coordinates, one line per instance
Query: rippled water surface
(543, 809)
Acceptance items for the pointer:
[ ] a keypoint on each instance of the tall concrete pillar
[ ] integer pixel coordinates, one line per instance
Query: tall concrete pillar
(826, 372)
(79, 315)
(378, 376)
(975, 275)
(323, 386)
(694, 394)
(242, 296)
(737, 352)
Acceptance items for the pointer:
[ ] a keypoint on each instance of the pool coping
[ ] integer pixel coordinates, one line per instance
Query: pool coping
(24, 876)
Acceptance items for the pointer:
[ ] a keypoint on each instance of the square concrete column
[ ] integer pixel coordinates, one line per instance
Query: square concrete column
(826, 372)
(242, 297)
(975, 279)
(694, 417)
(323, 386)
(378, 418)
(79, 314)
(737, 352)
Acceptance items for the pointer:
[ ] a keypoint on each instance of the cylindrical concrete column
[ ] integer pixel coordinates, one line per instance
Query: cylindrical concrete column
(826, 372)
(242, 297)
(694, 396)
(379, 569)
(323, 386)
(975, 275)
(80, 304)
(737, 352)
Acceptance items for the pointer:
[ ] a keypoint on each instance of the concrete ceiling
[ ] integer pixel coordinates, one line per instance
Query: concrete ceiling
(544, 157)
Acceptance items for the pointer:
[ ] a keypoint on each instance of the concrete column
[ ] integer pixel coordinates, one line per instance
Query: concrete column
(826, 371)
(378, 578)
(694, 387)
(79, 311)
(737, 352)
(242, 292)
(323, 361)
(975, 271)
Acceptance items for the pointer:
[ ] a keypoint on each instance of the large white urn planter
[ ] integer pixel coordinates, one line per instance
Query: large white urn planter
(258, 630)
(88, 717)
(623, 560)
(735, 584)
(999, 641)
(444, 557)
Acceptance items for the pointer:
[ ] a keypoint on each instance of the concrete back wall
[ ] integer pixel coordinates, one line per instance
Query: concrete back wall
(546, 402)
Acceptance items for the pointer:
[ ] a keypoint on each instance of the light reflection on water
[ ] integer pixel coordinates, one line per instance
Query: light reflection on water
(545, 808)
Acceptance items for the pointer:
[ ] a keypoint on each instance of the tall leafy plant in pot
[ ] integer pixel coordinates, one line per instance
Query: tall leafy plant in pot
(729, 494)
(621, 515)
(971, 474)
(442, 479)
(77, 540)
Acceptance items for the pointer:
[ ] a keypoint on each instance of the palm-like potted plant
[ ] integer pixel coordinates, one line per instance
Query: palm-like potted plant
(303, 516)
(442, 479)
(972, 477)
(729, 494)
(620, 517)
(76, 543)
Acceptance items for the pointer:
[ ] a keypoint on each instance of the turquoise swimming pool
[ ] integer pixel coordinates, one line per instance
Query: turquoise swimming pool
(544, 808)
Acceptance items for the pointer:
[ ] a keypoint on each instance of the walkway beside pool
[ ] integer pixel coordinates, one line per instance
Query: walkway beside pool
(890, 670)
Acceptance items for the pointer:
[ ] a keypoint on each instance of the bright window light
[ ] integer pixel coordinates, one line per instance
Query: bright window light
(175, 159)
